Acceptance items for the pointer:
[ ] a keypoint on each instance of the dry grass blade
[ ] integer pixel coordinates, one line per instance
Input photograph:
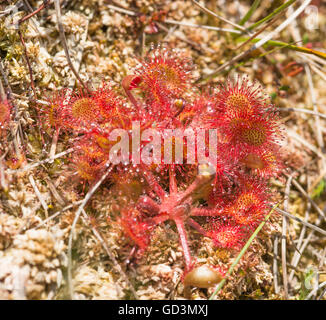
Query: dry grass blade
(307, 224)
(283, 25)
(261, 42)
(298, 186)
(280, 9)
(55, 192)
(219, 17)
(321, 56)
(38, 194)
(192, 25)
(250, 12)
(253, 36)
(321, 115)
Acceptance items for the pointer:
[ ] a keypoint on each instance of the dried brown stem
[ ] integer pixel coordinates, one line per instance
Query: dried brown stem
(64, 43)
(28, 63)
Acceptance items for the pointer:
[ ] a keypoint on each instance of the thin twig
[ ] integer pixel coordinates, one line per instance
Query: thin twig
(322, 259)
(58, 213)
(321, 74)
(322, 295)
(77, 215)
(109, 252)
(11, 9)
(298, 186)
(122, 10)
(283, 241)
(307, 224)
(278, 258)
(219, 17)
(321, 115)
(45, 3)
(161, 26)
(275, 266)
(315, 252)
(311, 147)
(301, 250)
(196, 46)
(297, 255)
(319, 135)
(313, 64)
(314, 291)
(39, 195)
(28, 63)
(42, 6)
(64, 42)
(37, 163)
(55, 192)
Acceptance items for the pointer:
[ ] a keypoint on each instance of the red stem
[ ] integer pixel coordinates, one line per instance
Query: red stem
(173, 181)
(149, 205)
(160, 219)
(42, 6)
(126, 83)
(151, 180)
(132, 99)
(184, 242)
(198, 182)
(204, 212)
(197, 226)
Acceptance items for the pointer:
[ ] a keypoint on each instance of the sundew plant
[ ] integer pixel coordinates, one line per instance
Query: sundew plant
(201, 158)
(162, 149)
